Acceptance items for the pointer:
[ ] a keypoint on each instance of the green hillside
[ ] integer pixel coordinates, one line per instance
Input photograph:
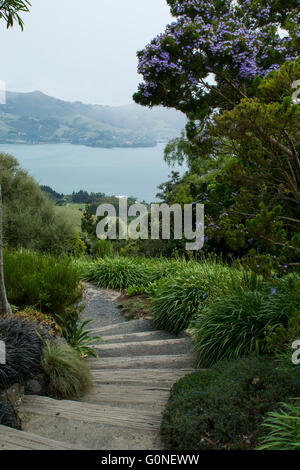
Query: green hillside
(34, 118)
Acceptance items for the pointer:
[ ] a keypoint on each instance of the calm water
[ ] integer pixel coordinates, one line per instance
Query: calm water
(67, 168)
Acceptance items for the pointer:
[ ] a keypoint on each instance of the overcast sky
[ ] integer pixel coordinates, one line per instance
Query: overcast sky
(81, 50)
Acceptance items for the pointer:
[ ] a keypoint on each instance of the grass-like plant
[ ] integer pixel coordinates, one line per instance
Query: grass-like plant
(42, 281)
(222, 408)
(177, 298)
(77, 336)
(69, 376)
(237, 322)
(123, 272)
(282, 429)
(135, 290)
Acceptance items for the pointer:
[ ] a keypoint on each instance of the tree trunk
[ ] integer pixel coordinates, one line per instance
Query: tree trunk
(4, 305)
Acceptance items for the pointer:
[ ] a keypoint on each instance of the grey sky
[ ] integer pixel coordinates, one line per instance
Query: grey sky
(81, 50)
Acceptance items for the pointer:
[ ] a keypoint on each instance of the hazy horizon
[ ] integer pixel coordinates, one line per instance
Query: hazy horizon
(77, 53)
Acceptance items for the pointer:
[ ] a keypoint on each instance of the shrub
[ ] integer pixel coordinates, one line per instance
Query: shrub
(29, 218)
(222, 407)
(23, 350)
(115, 273)
(102, 249)
(178, 297)
(78, 247)
(284, 305)
(237, 322)
(282, 429)
(122, 273)
(69, 376)
(42, 281)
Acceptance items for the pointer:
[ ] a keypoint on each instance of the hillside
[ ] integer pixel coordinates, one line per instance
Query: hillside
(34, 118)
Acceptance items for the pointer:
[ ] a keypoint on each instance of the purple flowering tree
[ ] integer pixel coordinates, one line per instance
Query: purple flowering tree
(208, 57)
(242, 140)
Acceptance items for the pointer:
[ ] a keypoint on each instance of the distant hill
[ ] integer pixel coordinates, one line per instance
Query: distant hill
(34, 118)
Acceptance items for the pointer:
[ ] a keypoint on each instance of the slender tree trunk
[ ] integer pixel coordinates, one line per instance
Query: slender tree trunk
(4, 305)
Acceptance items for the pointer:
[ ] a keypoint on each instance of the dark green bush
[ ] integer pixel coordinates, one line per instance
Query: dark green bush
(42, 281)
(24, 345)
(222, 407)
(240, 321)
(29, 217)
(178, 297)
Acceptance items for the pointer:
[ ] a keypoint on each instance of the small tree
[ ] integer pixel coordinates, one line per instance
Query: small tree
(10, 9)
(4, 305)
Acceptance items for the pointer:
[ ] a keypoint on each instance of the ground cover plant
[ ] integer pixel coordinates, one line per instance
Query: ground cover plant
(223, 407)
(135, 307)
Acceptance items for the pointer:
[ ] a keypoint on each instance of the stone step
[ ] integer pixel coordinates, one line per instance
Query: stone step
(133, 326)
(92, 436)
(97, 427)
(145, 348)
(136, 337)
(12, 439)
(91, 413)
(180, 361)
(157, 378)
(130, 396)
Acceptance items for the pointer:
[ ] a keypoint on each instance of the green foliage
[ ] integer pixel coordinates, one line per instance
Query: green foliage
(69, 376)
(115, 273)
(88, 221)
(177, 298)
(78, 247)
(123, 272)
(77, 336)
(282, 429)
(42, 281)
(29, 218)
(9, 11)
(222, 407)
(135, 290)
(244, 166)
(239, 322)
(286, 302)
(102, 249)
(24, 344)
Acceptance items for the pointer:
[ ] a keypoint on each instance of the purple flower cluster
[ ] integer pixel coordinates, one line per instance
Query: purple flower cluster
(206, 39)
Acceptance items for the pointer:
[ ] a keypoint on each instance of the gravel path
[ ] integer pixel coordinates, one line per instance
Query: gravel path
(102, 307)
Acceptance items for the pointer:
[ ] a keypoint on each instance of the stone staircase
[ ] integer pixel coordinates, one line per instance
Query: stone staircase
(133, 375)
